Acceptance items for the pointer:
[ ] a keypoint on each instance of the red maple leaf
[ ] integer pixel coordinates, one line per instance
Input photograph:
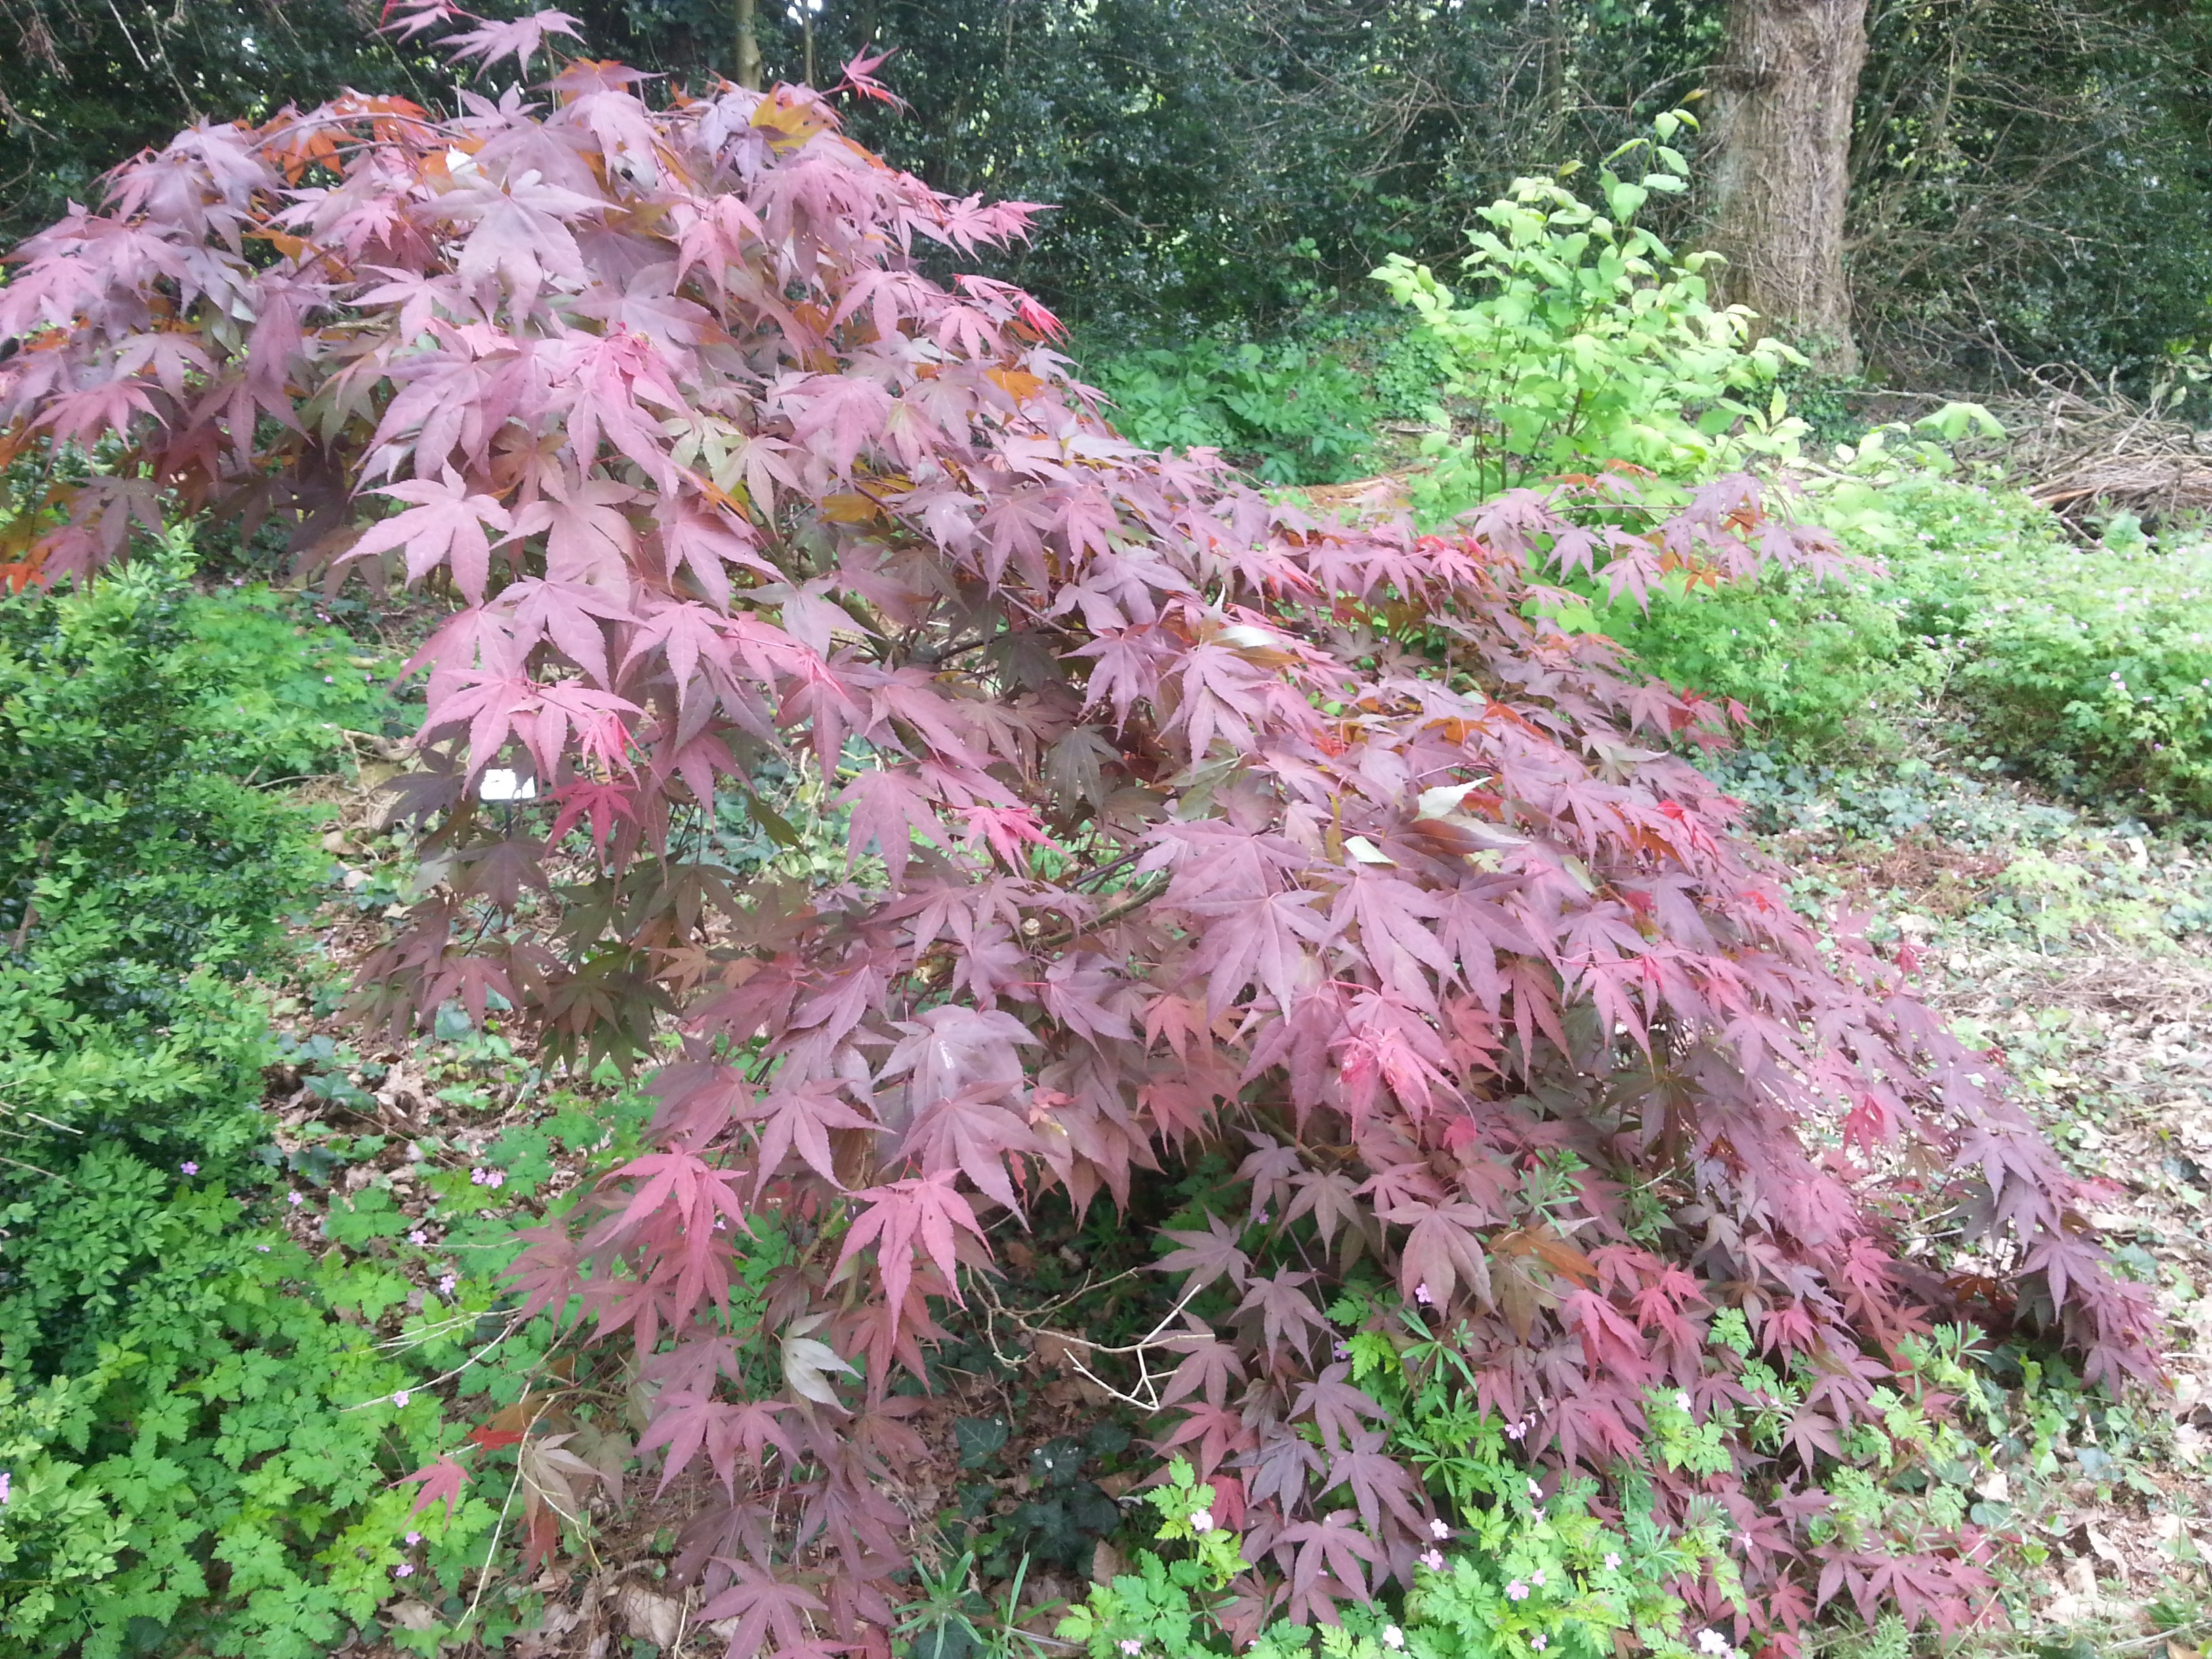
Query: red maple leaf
(440, 1482)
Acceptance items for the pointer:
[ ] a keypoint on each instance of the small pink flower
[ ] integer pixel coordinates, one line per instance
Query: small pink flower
(1439, 1530)
(1612, 1560)
(1537, 1578)
(264, 1248)
(413, 1539)
(1433, 1560)
(446, 1285)
(294, 1200)
(1538, 1642)
(1393, 1638)
(1515, 1431)
(1516, 1591)
(418, 1238)
(399, 1398)
(1681, 1401)
(1131, 1646)
(1422, 1295)
(405, 1569)
(189, 1167)
(1711, 1641)
(7, 1485)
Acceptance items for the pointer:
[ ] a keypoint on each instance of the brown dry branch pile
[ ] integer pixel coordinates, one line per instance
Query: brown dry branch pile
(2088, 450)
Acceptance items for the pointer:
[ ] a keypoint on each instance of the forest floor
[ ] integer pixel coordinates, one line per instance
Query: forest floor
(2076, 949)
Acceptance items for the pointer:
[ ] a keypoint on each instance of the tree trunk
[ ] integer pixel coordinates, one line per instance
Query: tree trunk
(1782, 119)
(749, 62)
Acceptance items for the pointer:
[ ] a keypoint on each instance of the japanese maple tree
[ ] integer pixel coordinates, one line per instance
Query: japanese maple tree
(1179, 818)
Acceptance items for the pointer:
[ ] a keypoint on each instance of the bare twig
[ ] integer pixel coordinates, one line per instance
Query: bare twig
(1156, 1338)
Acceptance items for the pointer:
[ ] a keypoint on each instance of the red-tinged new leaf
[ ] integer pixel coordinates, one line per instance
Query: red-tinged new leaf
(948, 1050)
(1377, 1482)
(763, 1606)
(732, 1437)
(975, 1132)
(1218, 1431)
(1336, 1547)
(889, 808)
(1444, 1252)
(1287, 1314)
(440, 1483)
(1264, 942)
(521, 40)
(1392, 917)
(800, 1119)
(859, 77)
(922, 1214)
(837, 416)
(1339, 1409)
(1207, 1370)
(1216, 1253)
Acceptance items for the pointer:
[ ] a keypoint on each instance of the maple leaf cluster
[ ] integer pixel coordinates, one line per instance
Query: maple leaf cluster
(1179, 818)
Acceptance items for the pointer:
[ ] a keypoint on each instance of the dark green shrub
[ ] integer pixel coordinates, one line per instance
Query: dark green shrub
(1302, 409)
(143, 875)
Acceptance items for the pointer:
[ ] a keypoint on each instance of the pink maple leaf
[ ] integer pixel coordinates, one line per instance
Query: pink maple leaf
(440, 1483)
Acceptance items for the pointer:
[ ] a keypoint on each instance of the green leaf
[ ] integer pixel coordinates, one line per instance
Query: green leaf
(369, 1213)
(979, 1438)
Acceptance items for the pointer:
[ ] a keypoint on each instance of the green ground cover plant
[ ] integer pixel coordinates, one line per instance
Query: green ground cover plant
(1306, 406)
(2084, 668)
(2088, 669)
(222, 1464)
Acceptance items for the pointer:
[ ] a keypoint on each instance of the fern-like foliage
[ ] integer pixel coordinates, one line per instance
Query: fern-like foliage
(1178, 818)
